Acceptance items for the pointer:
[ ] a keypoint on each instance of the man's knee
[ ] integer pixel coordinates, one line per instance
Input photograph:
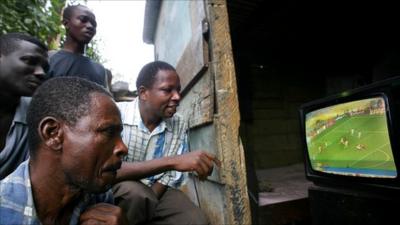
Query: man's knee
(196, 216)
(136, 199)
(176, 208)
(133, 190)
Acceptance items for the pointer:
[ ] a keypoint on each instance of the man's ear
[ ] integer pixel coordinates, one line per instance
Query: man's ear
(142, 93)
(65, 23)
(51, 133)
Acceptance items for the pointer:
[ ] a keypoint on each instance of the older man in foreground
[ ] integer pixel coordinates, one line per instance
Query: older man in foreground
(75, 152)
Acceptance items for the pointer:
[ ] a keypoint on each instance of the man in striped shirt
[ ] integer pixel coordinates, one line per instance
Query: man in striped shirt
(158, 153)
(75, 148)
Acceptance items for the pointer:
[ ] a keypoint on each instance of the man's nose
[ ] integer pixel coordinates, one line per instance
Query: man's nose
(39, 71)
(90, 26)
(176, 96)
(120, 148)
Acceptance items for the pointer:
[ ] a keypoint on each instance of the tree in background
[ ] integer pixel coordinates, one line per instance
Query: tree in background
(39, 18)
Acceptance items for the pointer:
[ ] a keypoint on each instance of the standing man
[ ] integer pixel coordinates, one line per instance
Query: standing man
(23, 63)
(80, 25)
(157, 150)
(75, 152)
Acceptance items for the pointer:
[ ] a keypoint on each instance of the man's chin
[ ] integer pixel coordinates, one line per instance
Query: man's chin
(169, 113)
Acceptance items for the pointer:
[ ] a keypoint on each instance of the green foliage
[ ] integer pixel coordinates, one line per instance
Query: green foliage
(39, 18)
(92, 51)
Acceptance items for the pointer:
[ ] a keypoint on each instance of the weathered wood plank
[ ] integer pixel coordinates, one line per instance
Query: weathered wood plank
(210, 102)
(198, 104)
(227, 119)
(210, 197)
(204, 138)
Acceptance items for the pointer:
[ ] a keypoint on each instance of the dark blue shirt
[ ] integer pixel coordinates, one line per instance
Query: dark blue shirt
(64, 63)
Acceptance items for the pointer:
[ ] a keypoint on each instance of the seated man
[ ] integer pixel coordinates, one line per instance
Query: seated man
(157, 144)
(23, 62)
(75, 151)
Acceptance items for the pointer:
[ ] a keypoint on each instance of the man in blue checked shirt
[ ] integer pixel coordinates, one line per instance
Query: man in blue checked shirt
(75, 151)
(158, 153)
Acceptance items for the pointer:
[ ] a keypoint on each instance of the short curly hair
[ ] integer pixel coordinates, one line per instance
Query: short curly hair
(9, 42)
(65, 98)
(148, 73)
(67, 12)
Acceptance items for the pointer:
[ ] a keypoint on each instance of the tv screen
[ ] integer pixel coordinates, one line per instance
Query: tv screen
(351, 139)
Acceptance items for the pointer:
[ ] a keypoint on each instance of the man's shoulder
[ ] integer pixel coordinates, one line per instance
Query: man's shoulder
(97, 63)
(14, 185)
(127, 109)
(60, 57)
(52, 52)
(125, 104)
(177, 122)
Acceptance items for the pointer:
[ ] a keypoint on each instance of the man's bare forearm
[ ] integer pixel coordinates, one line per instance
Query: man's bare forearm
(200, 162)
(139, 170)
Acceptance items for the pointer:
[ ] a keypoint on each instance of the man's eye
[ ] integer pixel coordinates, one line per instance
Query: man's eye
(109, 132)
(167, 90)
(84, 19)
(30, 60)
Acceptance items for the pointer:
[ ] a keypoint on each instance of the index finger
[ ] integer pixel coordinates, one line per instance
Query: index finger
(213, 158)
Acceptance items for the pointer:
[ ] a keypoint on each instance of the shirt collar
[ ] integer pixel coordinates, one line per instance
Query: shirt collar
(131, 116)
(22, 108)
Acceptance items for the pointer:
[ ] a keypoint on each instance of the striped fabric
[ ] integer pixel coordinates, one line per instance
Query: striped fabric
(169, 138)
(17, 205)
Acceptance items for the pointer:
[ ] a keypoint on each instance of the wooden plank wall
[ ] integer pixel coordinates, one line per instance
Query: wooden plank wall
(227, 116)
(210, 103)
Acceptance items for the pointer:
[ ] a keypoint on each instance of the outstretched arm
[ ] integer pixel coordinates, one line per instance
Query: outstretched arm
(200, 162)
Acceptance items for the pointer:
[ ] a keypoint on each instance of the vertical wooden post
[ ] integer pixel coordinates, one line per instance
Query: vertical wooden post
(227, 115)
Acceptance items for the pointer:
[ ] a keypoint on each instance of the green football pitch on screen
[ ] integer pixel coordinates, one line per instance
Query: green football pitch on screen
(351, 139)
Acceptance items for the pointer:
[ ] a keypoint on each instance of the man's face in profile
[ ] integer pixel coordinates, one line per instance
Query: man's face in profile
(163, 96)
(93, 147)
(23, 70)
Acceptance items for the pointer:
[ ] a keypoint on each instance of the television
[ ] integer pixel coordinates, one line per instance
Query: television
(352, 139)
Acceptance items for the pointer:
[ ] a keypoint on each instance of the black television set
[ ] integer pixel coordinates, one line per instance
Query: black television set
(352, 139)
